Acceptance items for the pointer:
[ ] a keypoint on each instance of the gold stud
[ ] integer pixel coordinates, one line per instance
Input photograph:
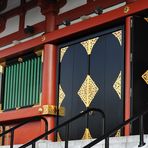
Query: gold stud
(40, 110)
(126, 9)
(20, 60)
(43, 38)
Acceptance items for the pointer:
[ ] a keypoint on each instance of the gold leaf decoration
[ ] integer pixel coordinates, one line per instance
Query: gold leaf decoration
(146, 18)
(117, 85)
(61, 95)
(1, 69)
(59, 137)
(87, 134)
(118, 133)
(118, 35)
(145, 77)
(62, 52)
(88, 91)
(89, 44)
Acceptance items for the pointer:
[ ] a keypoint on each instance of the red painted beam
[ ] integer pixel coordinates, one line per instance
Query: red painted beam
(71, 15)
(76, 29)
(19, 114)
(18, 35)
(87, 9)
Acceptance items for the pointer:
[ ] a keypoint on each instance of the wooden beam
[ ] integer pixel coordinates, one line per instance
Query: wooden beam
(77, 29)
(87, 9)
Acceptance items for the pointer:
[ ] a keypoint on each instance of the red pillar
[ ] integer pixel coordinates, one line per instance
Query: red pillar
(127, 72)
(50, 11)
(49, 81)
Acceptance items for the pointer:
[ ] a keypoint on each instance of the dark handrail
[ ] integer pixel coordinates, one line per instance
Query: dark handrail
(32, 142)
(109, 133)
(21, 124)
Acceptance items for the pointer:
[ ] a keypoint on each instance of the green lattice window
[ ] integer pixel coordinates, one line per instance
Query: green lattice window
(22, 82)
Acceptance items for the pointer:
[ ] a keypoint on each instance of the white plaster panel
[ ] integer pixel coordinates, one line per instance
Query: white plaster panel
(12, 25)
(34, 16)
(12, 4)
(71, 4)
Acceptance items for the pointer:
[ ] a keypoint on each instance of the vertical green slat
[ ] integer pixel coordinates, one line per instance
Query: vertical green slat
(17, 84)
(34, 80)
(25, 84)
(40, 81)
(28, 82)
(22, 84)
(37, 82)
(31, 82)
(9, 84)
(13, 86)
(6, 89)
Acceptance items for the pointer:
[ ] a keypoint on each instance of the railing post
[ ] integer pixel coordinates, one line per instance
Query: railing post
(67, 136)
(12, 139)
(107, 142)
(3, 137)
(141, 131)
(33, 145)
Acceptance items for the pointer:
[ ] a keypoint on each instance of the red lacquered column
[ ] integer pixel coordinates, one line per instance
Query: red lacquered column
(127, 72)
(49, 81)
(50, 11)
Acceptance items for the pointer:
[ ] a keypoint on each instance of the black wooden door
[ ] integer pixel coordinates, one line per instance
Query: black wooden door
(139, 68)
(91, 75)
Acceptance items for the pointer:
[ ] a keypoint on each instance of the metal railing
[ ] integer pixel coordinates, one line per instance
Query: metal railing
(108, 134)
(11, 131)
(66, 123)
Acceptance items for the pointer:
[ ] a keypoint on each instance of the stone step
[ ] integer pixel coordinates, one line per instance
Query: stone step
(115, 142)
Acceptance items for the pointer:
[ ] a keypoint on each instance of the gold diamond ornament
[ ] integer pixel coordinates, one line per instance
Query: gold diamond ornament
(87, 134)
(117, 85)
(62, 53)
(118, 35)
(61, 95)
(145, 77)
(89, 44)
(88, 91)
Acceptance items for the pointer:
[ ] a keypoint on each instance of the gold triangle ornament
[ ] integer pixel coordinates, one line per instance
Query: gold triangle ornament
(87, 134)
(59, 137)
(118, 35)
(89, 44)
(62, 52)
(117, 85)
(61, 95)
(146, 18)
(118, 133)
(145, 77)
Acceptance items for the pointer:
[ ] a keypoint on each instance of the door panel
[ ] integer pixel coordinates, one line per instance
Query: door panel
(73, 71)
(91, 75)
(140, 68)
(114, 84)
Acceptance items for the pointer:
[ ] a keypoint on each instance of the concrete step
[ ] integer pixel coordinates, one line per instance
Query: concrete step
(115, 142)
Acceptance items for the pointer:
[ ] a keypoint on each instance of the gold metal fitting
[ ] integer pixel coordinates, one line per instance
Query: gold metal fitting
(53, 110)
(43, 38)
(126, 9)
(40, 110)
(20, 59)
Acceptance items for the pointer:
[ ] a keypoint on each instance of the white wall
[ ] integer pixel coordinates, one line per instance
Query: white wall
(34, 16)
